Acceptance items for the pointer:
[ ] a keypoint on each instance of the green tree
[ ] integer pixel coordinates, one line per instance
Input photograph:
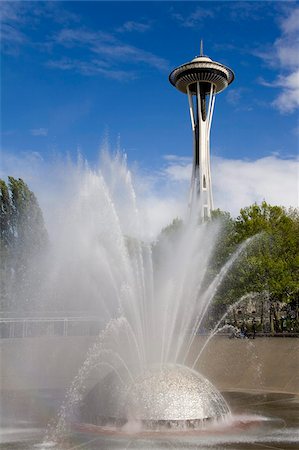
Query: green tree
(23, 239)
(7, 242)
(174, 227)
(273, 255)
(226, 242)
(270, 262)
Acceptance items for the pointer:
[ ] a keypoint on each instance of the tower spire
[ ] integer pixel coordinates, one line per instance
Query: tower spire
(201, 47)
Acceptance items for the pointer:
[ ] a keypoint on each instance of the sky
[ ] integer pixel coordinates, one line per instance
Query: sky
(77, 74)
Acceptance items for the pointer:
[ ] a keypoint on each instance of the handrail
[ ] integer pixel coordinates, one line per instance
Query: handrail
(22, 327)
(49, 319)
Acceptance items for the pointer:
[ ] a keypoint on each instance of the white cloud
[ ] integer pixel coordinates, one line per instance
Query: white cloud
(104, 53)
(54, 183)
(92, 67)
(20, 12)
(235, 10)
(134, 26)
(238, 183)
(235, 97)
(288, 99)
(244, 10)
(290, 24)
(17, 15)
(12, 12)
(284, 56)
(286, 51)
(11, 39)
(107, 47)
(163, 196)
(179, 171)
(195, 18)
(39, 131)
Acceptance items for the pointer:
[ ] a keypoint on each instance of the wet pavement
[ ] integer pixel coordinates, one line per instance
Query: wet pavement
(259, 421)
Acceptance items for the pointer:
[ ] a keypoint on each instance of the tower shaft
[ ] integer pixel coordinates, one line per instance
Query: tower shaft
(201, 106)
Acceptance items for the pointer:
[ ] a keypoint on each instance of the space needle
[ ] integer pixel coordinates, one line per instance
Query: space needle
(201, 79)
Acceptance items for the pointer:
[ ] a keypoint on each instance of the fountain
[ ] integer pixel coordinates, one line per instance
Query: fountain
(140, 378)
(155, 299)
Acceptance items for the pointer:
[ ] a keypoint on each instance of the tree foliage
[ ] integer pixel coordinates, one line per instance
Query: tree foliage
(270, 261)
(23, 238)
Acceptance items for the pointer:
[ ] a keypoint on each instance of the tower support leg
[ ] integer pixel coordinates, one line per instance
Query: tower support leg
(201, 107)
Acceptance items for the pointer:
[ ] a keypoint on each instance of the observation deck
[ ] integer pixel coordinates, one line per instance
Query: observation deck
(201, 69)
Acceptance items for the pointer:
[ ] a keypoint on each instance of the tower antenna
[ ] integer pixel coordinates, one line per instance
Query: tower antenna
(201, 47)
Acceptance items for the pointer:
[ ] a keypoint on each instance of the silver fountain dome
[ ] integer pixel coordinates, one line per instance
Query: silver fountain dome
(174, 395)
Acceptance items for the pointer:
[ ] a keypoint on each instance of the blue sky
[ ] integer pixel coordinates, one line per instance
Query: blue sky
(73, 72)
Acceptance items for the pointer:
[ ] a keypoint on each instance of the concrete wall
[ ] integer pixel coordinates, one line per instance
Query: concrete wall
(268, 364)
(262, 364)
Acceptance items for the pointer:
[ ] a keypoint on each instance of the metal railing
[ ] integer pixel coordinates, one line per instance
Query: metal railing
(22, 327)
